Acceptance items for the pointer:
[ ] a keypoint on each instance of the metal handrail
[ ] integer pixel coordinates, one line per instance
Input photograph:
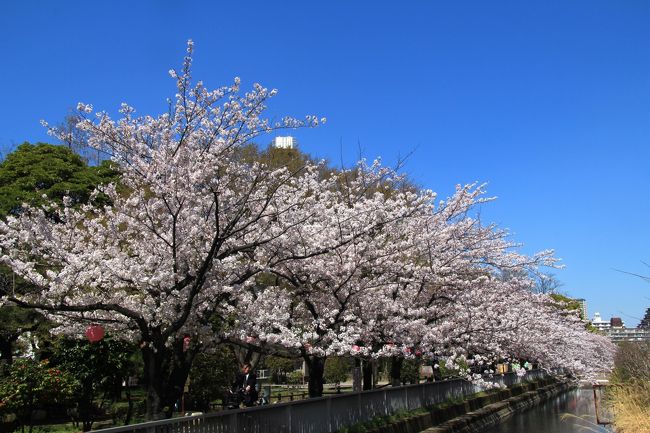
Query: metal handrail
(327, 413)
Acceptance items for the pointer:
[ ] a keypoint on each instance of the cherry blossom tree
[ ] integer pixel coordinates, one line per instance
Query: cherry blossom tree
(445, 254)
(431, 282)
(501, 319)
(316, 306)
(168, 257)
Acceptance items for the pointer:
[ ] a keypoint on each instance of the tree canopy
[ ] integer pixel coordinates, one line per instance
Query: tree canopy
(35, 174)
(36, 170)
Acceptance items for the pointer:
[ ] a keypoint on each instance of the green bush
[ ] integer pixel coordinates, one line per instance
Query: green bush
(211, 376)
(99, 367)
(120, 411)
(295, 377)
(33, 385)
(279, 367)
(410, 372)
(337, 369)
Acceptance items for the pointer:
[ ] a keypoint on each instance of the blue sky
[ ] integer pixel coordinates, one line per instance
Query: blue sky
(548, 101)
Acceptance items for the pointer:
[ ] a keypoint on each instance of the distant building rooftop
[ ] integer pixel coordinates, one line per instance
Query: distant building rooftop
(615, 329)
(599, 323)
(616, 322)
(287, 142)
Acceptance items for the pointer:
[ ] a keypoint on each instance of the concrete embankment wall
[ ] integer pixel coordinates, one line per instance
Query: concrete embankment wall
(479, 412)
(494, 413)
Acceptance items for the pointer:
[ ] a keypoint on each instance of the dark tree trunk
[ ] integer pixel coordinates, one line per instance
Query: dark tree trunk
(356, 375)
(246, 355)
(85, 406)
(165, 372)
(316, 366)
(6, 350)
(129, 412)
(367, 374)
(153, 378)
(396, 371)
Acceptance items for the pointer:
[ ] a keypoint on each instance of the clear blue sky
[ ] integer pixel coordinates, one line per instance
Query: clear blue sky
(547, 101)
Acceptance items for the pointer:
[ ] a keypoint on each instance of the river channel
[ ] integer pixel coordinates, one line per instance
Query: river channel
(571, 412)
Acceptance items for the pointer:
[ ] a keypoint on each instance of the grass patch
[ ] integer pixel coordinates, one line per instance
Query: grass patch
(630, 404)
(55, 428)
(382, 421)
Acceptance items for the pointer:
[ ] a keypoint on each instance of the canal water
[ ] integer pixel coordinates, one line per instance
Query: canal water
(571, 412)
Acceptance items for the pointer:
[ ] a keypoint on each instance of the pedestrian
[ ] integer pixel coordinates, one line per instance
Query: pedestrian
(245, 386)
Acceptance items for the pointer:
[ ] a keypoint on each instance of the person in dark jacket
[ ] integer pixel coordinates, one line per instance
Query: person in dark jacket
(245, 386)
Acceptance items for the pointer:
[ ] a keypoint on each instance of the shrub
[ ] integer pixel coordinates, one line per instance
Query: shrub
(33, 385)
(631, 406)
(295, 377)
(629, 398)
(337, 369)
(633, 361)
(210, 377)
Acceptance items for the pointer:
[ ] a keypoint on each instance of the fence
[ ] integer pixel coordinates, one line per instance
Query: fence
(320, 415)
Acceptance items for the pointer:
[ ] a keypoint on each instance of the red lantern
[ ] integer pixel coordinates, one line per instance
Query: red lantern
(186, 343)
(94, 333)
(355, 348)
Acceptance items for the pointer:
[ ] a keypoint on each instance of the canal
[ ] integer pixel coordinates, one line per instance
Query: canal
(571, 412)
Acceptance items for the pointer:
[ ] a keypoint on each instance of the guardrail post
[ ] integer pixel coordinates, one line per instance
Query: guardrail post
(359, 408)
(288, 430)
(406, 396)
(233, 423)
(328, 407)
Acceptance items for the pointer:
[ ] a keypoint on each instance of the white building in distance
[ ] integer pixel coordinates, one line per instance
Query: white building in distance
(615, 329)
(599, 323)
(628, 334)
(287, 142)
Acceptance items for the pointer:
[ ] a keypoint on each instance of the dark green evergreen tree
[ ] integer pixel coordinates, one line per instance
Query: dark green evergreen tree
(28, 173)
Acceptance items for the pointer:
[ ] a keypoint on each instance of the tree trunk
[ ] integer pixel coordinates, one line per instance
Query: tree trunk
(6, 350)
(246, 355)
(396, 371)
(86, 406)
(129, 412)
(165, 373)
(153, 378)
(367, 374)
(356, 375)
(316, 366)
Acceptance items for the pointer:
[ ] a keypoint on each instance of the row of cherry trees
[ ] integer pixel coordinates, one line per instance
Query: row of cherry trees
(200, 244)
